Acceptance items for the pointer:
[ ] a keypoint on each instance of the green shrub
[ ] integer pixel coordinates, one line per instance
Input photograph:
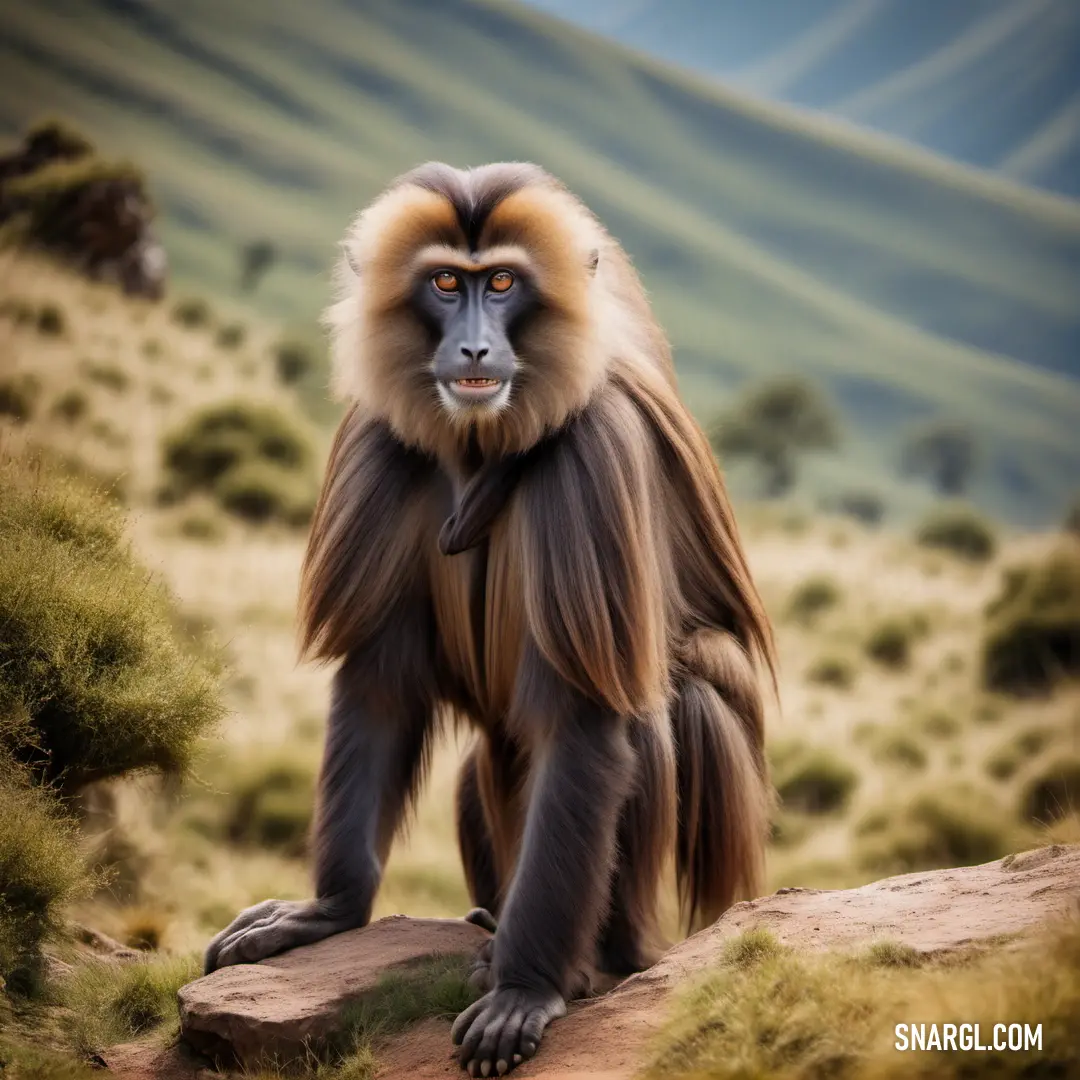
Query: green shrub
(1032, 637)
(254, 459)
(231, 336)
(958, 826)
(192, 312)
(93, 681)
(1008, 758)
(18, 395)
(812, 780)
(201, 526)
(41, 870)
(814, 596)
(835, 671)
(940, 725)
(890, 643)
(273, 805)
(259, 492)
(72, 405)
(51, 320)
(960, 530)
(293, 360)
(899, 748)
(1054, 793)
(865, 506)
(111, 376)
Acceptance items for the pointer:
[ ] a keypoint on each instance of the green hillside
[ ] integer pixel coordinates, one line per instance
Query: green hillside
(770, 240)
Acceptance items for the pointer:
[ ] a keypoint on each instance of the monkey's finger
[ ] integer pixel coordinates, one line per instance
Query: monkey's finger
(482, 917)
(489, 1042)
(508, 1042)
(242, 921)
(465, 1019)
(532, 1030)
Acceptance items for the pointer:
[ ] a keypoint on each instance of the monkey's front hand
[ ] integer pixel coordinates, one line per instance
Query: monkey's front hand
(504, 1028)
(274, 926)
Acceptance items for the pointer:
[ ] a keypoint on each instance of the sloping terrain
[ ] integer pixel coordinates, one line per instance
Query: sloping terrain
(992, 83)
(769, 240)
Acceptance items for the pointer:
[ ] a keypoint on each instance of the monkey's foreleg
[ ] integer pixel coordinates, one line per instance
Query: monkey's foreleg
(369, 768)
(555, 903)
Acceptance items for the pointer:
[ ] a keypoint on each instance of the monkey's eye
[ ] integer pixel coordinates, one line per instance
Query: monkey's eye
(500, 281)
(445, 281)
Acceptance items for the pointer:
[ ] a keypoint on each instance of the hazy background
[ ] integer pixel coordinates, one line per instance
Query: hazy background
(913, 287)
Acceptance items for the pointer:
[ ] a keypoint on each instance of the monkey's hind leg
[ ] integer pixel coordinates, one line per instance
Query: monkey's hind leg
(555, 903)
(630, 938)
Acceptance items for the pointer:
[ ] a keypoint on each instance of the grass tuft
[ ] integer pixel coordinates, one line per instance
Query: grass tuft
(812, 598)
(1032, 637)
(798, 1016)
(813, 780)
(1055, 793)
(19, 395)
(110, 1003)
(959, 530)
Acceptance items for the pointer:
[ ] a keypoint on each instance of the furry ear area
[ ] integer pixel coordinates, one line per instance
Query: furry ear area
(593, 260)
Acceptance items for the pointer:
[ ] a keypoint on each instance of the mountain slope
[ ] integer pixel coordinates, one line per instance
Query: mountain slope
(769, 240)
(990, 82)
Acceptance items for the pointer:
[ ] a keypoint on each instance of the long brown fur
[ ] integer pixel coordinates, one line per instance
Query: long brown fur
(614, 556)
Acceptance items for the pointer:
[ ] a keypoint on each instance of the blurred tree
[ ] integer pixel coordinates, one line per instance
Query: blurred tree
(772, 424)
(945, 453)
(256, 258)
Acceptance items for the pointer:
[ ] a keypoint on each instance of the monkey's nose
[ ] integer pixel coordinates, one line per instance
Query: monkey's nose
(474, 353)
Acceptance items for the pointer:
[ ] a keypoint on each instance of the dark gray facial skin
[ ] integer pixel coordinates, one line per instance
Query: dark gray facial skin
(474, 361)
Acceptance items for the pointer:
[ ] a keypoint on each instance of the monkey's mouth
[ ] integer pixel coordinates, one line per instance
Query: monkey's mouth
(475, 389)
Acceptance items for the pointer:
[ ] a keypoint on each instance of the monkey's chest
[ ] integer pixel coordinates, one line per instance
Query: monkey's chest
(480, 623)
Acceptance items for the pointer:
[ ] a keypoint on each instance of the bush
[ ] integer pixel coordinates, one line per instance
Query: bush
(939, 725)
(41, 870)
(812, 780)
(18, 396)
(261, 492)
(832, 671)
(960, 530)
(899, 748)
(111, 376)
(192, 312)
(72, 405)
(93, 680)
(959, 826)
(254, 459)
(865, 506)
(814, 596)
(890, 643)
(273, 806)
(50, 320)
(293, 360)
(1054, 793)
(231, 336)
(1007, 759)
(1032, 637)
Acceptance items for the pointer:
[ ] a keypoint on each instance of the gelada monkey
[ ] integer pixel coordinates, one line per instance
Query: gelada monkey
(522, 529)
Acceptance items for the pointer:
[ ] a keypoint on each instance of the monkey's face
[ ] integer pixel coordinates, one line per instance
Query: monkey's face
(472, 315)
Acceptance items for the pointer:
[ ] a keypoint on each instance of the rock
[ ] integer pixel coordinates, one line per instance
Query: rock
(937, 910)
(273, 1009)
